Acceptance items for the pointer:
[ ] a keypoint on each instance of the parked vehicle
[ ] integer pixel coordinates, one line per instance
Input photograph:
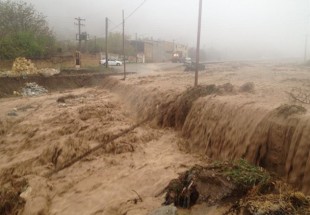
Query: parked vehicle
(111, 62)
(187, 61)
(177, 57)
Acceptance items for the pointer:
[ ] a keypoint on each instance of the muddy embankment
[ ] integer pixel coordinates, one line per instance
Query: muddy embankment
(67, 79)
(222, 128)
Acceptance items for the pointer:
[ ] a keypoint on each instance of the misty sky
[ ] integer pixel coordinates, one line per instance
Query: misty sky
(240, 28)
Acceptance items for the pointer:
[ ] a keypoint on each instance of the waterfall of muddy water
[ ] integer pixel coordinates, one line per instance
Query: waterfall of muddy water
(221, 128)
(269, 138)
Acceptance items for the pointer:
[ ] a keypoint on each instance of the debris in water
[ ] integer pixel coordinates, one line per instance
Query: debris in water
(256, 191)
(33, 89)
(248, 87)
(10, 200)
(12, 113)
(63, 99)
(288, 202)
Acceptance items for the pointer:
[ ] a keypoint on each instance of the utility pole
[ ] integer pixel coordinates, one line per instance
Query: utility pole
(136, 48)
(106, 42)
(79, 24)
(306, 48)
(198, 43)
(124, 46)
(95, 43)
(307, 34)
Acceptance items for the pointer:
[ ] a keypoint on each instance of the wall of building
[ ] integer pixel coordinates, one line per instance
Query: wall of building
(181, 48)
(158, 51)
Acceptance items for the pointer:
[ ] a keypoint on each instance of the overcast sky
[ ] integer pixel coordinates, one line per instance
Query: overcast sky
(261, 28)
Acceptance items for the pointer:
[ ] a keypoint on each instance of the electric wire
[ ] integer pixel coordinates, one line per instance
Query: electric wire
(127, 17)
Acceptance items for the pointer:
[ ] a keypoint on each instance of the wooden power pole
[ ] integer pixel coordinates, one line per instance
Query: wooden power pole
(136, 48)
(124, 56)
(306, 48)
(106, 42)
(198, 43)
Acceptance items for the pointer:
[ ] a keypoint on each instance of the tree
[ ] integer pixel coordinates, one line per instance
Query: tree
(23, 32)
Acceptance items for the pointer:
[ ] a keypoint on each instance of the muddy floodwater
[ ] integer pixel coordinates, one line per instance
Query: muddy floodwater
(257, 111)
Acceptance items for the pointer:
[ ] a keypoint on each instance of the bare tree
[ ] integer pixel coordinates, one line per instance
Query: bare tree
(300, 95)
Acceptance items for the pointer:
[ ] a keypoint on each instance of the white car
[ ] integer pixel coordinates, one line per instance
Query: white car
(187, 61)
(111, 62)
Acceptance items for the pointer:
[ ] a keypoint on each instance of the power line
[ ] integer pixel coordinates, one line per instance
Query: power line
(111, 21)
(135, 10)
(117, 26)
(132, 13)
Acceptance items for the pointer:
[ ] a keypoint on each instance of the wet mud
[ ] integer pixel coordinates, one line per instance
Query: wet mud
(185, 127)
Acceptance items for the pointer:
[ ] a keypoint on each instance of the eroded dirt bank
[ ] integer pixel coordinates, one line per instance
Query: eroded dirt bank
(64, 80)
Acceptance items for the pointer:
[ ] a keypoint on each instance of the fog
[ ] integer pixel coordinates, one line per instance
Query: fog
(238, 29)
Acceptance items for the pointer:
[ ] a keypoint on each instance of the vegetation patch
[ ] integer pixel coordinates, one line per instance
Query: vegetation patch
(24, 32)
(248, 189)
(214, 183)
(244, 174)
(288, 110)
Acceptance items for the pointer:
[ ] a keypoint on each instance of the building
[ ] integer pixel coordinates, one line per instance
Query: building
(152, 51)
(180, 48)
